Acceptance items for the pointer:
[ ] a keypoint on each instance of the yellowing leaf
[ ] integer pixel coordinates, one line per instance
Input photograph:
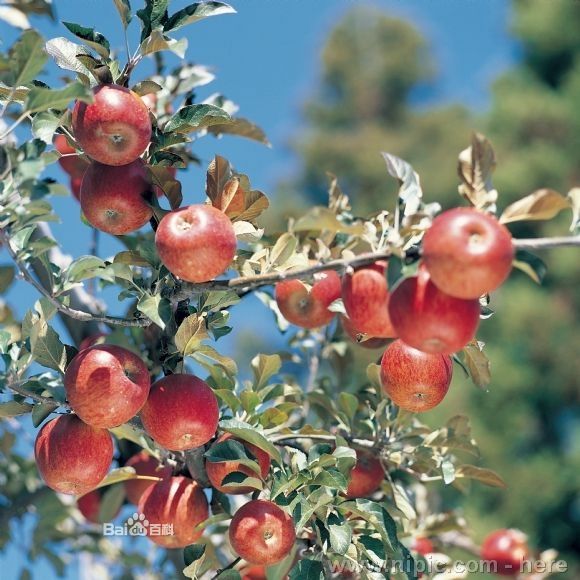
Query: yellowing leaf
(543, 204)
(478, 364)
(322, 218)
(190, 334)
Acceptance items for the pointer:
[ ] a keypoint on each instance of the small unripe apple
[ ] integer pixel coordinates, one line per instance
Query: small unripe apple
(72, 457)
(178, 502)
(506, 551)
(143, 464)
(218, 471)
(307, 305)
(113, 199)
(428, 319)
(90, 505)
(467, 252)
(181, 412)
(106, 385)
(115, 128)
(262, 533)
(361, 338)
(415, 381)
(196, 243)
(366, 299)
(72, 163)
(366, 476)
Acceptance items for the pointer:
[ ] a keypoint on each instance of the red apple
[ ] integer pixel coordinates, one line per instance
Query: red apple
(366, 476)
(106, 385)
(92, 340)
(361, 338)
(178, 502)
(253, 573)
(217, 472)
(505, 551)
(422, 546)
(366, 299)
(90, 505)
(72, 457)
(115, 128)
(415, 381)
(467, 252)
(262, 533)
(71, 162)
(430, 320)
(75, 187)
(143, 464)
(113, 199)
(196, 243)
(307, 305)
(181, 412)
(150, 101)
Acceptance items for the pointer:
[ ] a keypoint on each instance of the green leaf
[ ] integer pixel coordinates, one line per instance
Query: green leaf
(156, 308)
(321, 219)
(448, 472)
(46, 347)
(190, 334)
(530, 264)
(14, 409)
(111, 501)
(193, 556)
(307, 570)
(12, 93)
(146, 87)
(195, 117)
(6, 277)
(27, 57)
(84, 267)
(485, 476)
(264, 367)
(44, 126)
(205, 352)
(64, 52)
(331, 478)
(229, 575)
(229, 398)
(232, 450)
(241, 128)
(348, 404)
(124, 474)
(40, 99)
(41, 411)
(246, 432)
(196, 12)
(92, 38)
(340, 537)
(124, 8)
(157, 42)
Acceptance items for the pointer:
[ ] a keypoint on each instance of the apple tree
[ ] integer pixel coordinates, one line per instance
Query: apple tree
(284, 474)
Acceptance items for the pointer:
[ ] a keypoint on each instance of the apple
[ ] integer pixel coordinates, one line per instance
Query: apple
(253, 572)
(467, 252)
(75, 187)
(115, 128)
(361, 338)
(415, 381)
(181, 412)
(196, 243)
(143, 464)
(106, 385)
(178, 502)
(366, 476)
(217, 472)
(422, 546)
(366, 299)
(428, 319)
(92, 340)
(71, 456)
(90, 505)
(72, 162)
(505, 551)
(307, 305)
(113, 199)
(262, 533)
(150, 101)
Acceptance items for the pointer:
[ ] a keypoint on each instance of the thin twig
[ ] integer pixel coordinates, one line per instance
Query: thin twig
(547, 243)
(320, 437)
(17, 387)
(228, 567)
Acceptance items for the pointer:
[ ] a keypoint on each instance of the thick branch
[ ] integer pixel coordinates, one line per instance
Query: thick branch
(547, 243)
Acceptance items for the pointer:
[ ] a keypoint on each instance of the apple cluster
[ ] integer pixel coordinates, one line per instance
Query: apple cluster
(115, 187)
(466, 254)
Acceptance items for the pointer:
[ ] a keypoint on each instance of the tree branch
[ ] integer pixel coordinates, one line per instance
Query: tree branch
(367, 443)
(547, 243)
(17, 387)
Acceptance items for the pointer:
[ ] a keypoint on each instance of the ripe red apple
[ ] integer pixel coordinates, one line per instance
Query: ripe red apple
(106, 385)
(430, 320)
(262, 533)
(181, 412)
(72, 162)
(90, 504)
(143, 464)
(307, 305)
(72, 457)
(361, 338)
(415, 381)
(115, 128)
(196, 243)
(506, 550)
(113, 199)
(366, 476)
(75, 187)
(92, 340)
(217, 472)
(422, 546)
(178, 502)
(366, 299)
(467, 252)
(250, 572)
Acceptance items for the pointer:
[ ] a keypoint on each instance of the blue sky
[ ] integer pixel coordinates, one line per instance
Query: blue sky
(266, 58)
